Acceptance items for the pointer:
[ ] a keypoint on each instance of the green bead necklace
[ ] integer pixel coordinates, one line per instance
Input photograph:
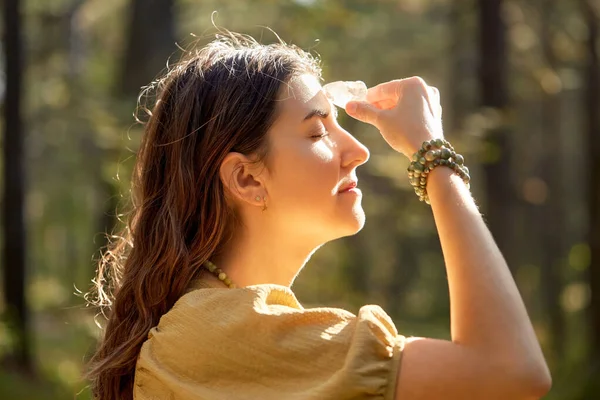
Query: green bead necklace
(219, 273)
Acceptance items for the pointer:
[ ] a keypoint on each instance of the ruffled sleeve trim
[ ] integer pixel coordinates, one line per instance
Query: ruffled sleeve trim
(394, 373)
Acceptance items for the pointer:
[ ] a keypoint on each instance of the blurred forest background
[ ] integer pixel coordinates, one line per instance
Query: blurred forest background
(520, 85)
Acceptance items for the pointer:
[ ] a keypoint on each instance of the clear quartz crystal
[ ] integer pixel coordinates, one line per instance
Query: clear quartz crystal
(341, 92)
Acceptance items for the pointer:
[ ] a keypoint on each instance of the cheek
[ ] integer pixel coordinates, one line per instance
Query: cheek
(307, 174)
(322, 153)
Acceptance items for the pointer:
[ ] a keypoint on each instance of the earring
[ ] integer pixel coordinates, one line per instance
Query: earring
(257, 198)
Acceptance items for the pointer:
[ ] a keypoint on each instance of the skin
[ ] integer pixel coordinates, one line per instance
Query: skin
(304, 208)
(494, 353)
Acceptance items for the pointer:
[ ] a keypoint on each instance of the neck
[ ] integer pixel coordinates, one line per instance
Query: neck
(253, 258)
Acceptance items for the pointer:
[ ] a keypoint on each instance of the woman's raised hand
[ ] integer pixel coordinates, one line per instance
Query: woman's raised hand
(407, 112)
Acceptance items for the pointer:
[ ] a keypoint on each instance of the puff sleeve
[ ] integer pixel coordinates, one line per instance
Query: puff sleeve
(260, 343)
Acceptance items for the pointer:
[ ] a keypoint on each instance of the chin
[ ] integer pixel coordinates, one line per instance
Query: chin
(354, 223)
(360, 223)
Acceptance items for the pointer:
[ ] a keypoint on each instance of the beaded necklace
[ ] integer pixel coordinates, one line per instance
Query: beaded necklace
(219, 273)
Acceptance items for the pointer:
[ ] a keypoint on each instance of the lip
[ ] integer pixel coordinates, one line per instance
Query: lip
(348, 187)
(354, 191)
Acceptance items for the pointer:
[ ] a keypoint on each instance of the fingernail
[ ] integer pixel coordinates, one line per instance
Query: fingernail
(351, 108)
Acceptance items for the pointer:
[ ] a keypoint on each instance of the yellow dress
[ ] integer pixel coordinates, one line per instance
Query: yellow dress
(259, 343)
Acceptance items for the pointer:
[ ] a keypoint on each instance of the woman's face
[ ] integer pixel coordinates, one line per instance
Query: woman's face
(311, 159)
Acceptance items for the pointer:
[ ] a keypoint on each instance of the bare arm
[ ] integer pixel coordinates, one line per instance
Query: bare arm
(494, 353)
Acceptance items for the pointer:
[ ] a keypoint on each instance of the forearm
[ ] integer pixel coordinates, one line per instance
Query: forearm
(487, 312)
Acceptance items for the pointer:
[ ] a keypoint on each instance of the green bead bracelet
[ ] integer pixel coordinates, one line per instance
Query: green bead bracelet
(432, 154)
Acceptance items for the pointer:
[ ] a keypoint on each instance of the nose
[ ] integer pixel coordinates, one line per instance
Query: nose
(355, 153)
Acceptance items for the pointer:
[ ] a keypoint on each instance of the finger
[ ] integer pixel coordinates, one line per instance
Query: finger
(430, 95)
(435, 93)
(434, 99)
(385, 91)
(363, 111)
(393, 90)
(385, 104)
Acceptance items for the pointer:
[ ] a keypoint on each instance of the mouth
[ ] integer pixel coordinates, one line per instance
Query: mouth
(348, 187)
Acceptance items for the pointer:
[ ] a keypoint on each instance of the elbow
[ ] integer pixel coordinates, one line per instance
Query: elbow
(539, 387)
(541, 384)
(536, 382)
(526, 375)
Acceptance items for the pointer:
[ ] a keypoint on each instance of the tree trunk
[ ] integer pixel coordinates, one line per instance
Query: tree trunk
(494, 95)
(151, 40)
(592, 103)
(550, 213)
(13, 216)
(460, 70)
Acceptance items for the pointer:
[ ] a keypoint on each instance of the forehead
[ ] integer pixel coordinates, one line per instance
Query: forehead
(302, 94)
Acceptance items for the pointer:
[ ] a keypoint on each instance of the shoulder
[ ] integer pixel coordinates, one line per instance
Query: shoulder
(265, 316)
(250, 310)
(263, 313)
(261, 335)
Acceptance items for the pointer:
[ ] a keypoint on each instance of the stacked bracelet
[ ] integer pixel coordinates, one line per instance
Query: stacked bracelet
(432, 154)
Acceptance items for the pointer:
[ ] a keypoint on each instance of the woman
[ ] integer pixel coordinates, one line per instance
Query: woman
(243, 172)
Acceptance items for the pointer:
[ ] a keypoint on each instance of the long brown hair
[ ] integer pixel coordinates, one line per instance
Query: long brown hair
(217, 99)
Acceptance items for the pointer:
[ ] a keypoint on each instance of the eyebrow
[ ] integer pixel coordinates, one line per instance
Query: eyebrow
(319, 112)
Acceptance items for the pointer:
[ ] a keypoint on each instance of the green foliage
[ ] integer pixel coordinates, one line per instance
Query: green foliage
(15, 386)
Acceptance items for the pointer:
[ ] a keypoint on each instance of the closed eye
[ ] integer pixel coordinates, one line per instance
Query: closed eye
(320, 133)
(320, 136)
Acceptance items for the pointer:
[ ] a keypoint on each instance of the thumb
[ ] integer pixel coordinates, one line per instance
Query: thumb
(363, 111)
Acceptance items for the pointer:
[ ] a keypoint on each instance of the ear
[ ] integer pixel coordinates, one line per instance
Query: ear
(243, 179)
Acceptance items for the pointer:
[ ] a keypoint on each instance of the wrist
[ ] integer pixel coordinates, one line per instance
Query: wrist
(417, 145)
(445, 188)
(433, 154)
(440, 176)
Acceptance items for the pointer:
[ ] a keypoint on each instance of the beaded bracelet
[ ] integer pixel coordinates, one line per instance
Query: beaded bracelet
(432, 154)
